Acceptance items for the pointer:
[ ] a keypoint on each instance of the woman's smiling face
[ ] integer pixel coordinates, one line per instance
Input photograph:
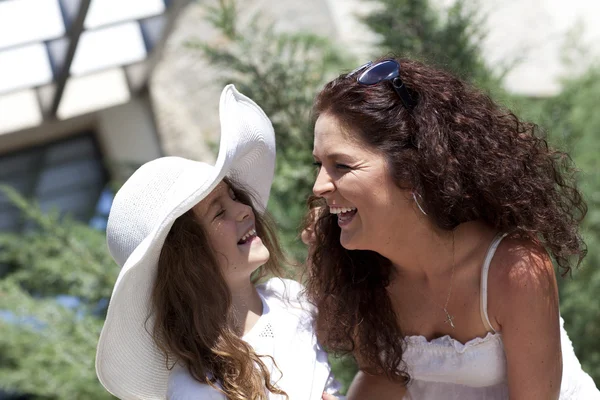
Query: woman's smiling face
(355, 182)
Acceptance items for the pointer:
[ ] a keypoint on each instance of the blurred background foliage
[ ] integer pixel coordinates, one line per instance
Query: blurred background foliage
(281, 72)
(56, 278)
(54, 288)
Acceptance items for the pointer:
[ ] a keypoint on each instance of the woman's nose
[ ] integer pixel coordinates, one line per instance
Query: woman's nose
(323, 184)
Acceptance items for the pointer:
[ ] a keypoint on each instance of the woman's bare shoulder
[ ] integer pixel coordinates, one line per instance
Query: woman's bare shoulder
(521, 272)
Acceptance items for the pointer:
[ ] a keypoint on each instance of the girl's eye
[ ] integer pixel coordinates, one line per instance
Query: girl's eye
(221, 212)
(317, 164)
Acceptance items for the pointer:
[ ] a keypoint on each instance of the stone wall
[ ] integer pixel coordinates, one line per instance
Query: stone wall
(184, 90)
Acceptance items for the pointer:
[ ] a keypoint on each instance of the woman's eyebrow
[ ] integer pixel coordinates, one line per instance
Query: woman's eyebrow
(332, 155)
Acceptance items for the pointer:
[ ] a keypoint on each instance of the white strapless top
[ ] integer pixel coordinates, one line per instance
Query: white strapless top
(447, 369)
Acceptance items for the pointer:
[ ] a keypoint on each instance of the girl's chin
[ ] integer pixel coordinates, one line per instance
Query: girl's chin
(259, 256)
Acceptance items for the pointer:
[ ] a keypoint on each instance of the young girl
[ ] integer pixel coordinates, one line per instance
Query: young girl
(186, 320)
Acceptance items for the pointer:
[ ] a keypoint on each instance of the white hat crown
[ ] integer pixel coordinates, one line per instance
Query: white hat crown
(143, 202)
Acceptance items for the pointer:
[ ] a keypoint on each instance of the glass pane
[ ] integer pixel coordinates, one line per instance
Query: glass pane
(105, 202)
(16, 171)
(70, 9)
(153, 30)
(9, 219)
(100, 219)
(20, 185)
(57, 52)
(67, 176)
(17, 164)
(108, 47)
(10, 215)
(24, 21)
(77, 203)
(78, 148)
(19, 110)
(109, 88)
(24, 67)
(104, 12)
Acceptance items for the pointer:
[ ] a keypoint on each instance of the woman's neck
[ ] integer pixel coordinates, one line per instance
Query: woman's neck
(432, 253)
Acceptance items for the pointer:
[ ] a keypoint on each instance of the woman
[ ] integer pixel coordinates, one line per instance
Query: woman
(186, 319)
(432, 253)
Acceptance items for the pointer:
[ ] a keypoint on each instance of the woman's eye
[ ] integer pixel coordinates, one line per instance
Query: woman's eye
(342, 166)
(317, 164)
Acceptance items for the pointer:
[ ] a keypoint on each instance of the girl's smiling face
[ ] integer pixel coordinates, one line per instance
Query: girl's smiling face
(230, 226)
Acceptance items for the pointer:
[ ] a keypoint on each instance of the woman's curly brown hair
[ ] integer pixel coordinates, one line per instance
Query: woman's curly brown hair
(192, 306)
(469, 159)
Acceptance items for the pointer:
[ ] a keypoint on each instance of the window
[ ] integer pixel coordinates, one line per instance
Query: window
(66, 175)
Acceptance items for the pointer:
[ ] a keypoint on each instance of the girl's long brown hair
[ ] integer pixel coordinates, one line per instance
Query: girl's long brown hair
(192, 309)
(469, 159)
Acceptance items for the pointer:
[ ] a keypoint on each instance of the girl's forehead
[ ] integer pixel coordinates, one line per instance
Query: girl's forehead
(219, 190)
(204, 204)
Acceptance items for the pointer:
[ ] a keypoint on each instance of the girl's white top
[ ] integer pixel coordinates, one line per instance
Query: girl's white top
(285, 332)
(444, 368)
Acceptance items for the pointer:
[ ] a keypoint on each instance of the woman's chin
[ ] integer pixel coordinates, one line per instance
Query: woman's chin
(348, 242)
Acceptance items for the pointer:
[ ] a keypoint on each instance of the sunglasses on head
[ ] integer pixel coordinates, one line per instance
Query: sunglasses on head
(387, 70)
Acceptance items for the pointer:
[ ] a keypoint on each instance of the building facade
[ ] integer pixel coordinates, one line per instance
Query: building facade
(91, 89)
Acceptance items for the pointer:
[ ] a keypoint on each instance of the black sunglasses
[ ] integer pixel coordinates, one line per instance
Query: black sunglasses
(387, 70)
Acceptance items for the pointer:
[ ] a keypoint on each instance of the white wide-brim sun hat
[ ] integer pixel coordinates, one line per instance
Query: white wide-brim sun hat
(128, 363)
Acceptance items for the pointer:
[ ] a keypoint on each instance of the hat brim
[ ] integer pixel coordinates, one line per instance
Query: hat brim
(128, 363)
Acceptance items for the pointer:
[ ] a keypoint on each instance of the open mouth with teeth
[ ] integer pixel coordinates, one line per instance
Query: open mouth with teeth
(247, 238)
(345, 214)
